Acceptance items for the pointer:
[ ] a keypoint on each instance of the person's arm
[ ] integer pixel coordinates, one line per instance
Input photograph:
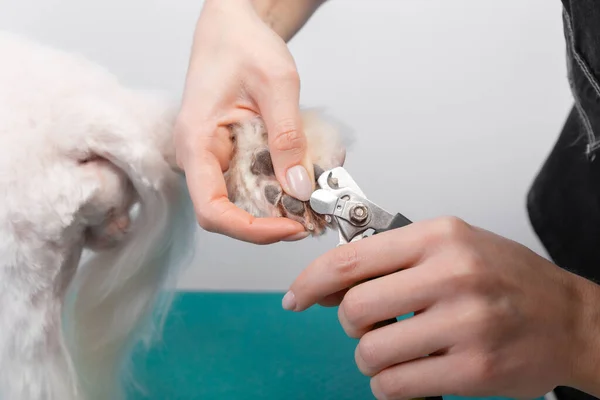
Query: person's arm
(586, 363)
(286, 17)
(240, 67)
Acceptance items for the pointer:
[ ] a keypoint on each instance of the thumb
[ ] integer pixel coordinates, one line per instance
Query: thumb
(287, 142)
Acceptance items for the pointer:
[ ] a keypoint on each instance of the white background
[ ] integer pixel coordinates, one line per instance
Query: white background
(454, 103)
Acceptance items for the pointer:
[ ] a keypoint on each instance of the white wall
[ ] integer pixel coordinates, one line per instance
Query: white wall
(454, 103)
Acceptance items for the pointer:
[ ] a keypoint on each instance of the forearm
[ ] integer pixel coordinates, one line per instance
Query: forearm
(286, 17)
(586, 343)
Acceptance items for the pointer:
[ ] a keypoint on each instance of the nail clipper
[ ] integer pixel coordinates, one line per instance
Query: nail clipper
(347, 208)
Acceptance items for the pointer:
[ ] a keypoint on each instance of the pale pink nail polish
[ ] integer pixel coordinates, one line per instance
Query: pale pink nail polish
(289, 301)
(300, 184)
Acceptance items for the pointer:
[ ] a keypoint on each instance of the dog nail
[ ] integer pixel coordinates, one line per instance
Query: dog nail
(318, 171)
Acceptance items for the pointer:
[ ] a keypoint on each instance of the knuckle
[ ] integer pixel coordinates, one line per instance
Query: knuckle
(346, 262)
(481, 322)
(451, 228)
(479, 314)
(470, 265)
(285, 74)
(470, 275)
(354, 306)
(280, 74)
(485, 369)
(367, 355)
(386, 386)
(288, 137)
(353, 310)
(503, 308)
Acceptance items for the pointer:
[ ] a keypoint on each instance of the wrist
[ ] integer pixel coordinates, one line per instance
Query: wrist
(228, 6)
(585, 362)
(286, 17)
(211, 3)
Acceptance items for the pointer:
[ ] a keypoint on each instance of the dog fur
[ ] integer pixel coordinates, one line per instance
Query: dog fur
(86, 165)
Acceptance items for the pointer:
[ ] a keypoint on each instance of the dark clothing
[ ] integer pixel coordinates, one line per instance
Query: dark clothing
(564, 200)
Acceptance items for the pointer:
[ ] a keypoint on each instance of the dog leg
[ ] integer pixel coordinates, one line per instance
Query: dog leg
(107, 217)
(40, 252)
(33, 360)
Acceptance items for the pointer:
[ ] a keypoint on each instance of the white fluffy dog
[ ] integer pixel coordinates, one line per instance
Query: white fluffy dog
(86, 163)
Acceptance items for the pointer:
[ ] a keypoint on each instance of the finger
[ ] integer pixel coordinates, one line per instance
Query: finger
(424, 377)
(333, 300)
(388, 297)
(216, 213)
(378, 255)
(403, 341)
(280, 109)
(351, 263)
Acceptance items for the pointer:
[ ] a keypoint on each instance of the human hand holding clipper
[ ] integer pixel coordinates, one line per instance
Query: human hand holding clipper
(346, 206)
(492, 318)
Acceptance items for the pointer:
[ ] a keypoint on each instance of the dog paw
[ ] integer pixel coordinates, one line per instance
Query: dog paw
(107, 211)
(266, 193)
(251, 181)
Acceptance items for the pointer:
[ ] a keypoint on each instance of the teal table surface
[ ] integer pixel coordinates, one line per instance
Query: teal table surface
(238, 346)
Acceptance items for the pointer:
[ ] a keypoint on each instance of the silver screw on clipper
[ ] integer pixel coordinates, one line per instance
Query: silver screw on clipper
(359, 213)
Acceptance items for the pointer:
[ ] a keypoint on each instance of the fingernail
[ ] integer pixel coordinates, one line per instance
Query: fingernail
(296, 236)
(300, 185)
(289, 301)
